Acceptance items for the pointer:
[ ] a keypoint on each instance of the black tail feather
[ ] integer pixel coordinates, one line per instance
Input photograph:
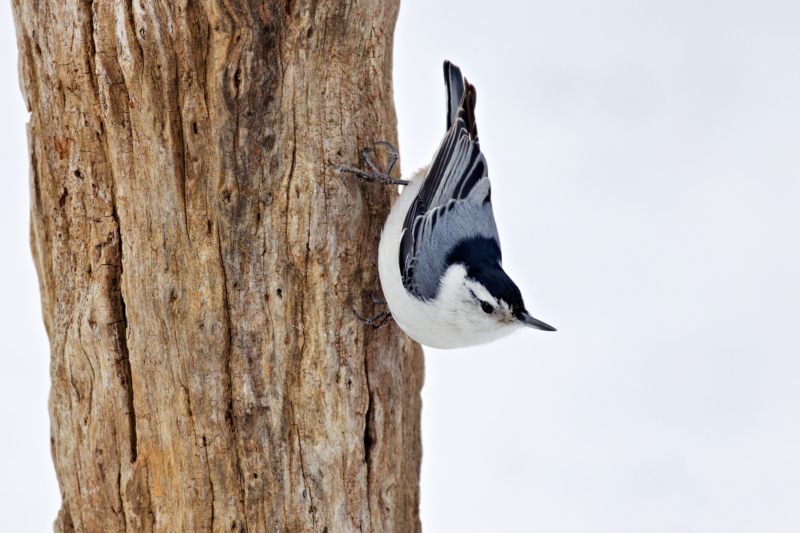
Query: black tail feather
(454, 83)
(461, 96)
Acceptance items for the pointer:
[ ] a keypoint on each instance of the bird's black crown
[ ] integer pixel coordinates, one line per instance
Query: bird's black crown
(481, 257)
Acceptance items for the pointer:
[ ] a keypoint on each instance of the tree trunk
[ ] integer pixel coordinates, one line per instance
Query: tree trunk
(199, 262)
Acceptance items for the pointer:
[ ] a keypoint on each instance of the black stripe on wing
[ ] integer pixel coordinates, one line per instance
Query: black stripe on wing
(458, 166)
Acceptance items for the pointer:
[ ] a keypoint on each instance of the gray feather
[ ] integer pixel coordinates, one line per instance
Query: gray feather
(454, 200)
(457, 221)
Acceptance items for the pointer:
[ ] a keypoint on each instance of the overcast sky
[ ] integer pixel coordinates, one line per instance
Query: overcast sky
(645, 160)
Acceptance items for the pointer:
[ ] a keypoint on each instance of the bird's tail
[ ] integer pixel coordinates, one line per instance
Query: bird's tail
(460, 99)
(454, 83)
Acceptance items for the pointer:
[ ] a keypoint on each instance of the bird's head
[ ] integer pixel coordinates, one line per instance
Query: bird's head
(480, 297)
(499, 299)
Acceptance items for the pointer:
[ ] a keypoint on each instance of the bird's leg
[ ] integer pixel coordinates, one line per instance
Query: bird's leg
(381, 319)
(376, 176)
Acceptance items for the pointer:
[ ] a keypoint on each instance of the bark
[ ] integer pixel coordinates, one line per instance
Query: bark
(199, 263)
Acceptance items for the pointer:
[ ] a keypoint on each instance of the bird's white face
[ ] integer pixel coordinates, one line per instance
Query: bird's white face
(468, 312)
(496, 310)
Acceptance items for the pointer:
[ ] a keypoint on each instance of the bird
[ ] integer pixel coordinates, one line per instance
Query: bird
(439, 258)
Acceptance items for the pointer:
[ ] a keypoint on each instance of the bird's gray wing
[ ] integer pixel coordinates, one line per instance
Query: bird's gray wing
(454, 200)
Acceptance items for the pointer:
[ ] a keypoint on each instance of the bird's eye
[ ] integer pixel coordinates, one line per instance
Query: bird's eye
(487, 308)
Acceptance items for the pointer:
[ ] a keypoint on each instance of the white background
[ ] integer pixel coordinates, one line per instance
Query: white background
(645, 159)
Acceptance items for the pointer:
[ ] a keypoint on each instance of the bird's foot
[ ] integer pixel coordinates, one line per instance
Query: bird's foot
(381, 319)
(378, 321)
(376, 176)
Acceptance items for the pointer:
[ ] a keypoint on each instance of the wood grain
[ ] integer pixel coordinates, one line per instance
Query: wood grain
(199, 263)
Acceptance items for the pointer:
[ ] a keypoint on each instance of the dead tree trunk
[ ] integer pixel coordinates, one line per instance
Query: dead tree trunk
(199, 263)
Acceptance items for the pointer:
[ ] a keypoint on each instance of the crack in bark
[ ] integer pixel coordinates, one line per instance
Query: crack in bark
(35, 171)
(92, 49)
(368, 442)
(211, 489)
(119, 326)
(294, 159)
(122, 338)
(229, 414)
(209, 37)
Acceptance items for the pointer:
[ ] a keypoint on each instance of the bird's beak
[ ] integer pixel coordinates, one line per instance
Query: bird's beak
(527, 320)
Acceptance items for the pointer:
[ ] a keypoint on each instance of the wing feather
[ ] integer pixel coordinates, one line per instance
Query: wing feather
(454, 85)
(458, 170)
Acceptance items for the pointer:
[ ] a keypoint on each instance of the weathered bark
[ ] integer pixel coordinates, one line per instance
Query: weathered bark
(199, 261)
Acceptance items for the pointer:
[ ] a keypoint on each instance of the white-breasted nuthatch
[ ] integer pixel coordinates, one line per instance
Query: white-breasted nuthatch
(439, 257)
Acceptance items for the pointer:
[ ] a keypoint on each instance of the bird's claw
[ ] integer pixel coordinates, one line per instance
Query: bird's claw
(378, 321)
(392, 155)
(381, 319)
(365, 153)
(381, 178)
(379, 301)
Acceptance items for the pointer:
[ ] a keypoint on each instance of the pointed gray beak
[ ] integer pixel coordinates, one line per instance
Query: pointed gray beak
(528, 320)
